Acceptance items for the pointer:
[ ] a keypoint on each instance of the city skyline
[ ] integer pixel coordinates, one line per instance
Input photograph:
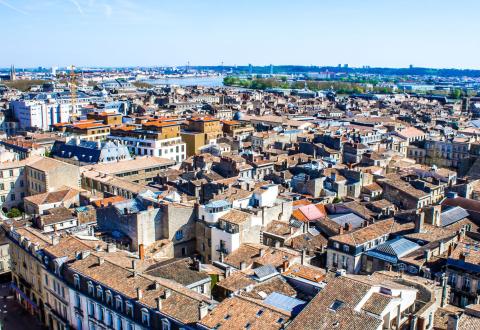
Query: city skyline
(119, 33)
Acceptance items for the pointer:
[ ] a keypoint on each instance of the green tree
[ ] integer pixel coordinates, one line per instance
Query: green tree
(14, 213)
(456, 93)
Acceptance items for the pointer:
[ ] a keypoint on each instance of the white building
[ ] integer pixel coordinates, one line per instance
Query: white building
(172, 148)
(44, 109)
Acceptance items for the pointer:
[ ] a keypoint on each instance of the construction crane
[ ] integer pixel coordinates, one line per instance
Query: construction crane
(73, 90)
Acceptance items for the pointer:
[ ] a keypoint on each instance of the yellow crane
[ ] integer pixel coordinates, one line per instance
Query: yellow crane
(73, 90)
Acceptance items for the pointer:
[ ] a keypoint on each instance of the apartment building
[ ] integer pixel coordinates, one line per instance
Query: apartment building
(48, 174)
(13, 182)
(160, 139)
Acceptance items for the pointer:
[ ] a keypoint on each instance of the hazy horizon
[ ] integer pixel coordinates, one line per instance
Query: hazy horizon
(126, 33)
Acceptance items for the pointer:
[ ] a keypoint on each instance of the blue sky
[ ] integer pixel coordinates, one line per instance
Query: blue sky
(433, 33)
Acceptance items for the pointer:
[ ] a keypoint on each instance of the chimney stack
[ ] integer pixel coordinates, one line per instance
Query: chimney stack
(340, 230)
(101, 260)
(141, 252)
(304, 256)
(134, 264)
(243, 265)
(159, 304)
(111, 247)
(419, 221)
(167, 293)
(139, 294)
(202, 310)
(262, 252)
(285, 265)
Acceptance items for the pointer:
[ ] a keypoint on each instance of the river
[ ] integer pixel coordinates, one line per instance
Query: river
(214, 81)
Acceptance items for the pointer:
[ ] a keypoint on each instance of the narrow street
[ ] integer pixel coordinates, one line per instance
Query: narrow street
(12, 315)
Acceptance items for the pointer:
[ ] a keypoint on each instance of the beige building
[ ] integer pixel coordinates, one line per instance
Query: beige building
(48, 174)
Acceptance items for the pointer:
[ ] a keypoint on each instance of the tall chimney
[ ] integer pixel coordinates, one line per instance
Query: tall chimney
(159, 304)
(134, 264)
(419, 221)
(304, 256)
(141, 252)
(101, 260)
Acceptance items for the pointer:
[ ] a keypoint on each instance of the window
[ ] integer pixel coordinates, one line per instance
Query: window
(346, 248)
(78, 301)
(108, 297)
(108, 318)
(99, 313)
(12, 185)
(179, 235)
(118, 300)
(2, 186)
(12, 197)
(99, 292)
(145, 317)
(76, 281)
(165, 324)
(91, 308)
(46, 279)
(90, 288)
(129, 308)
(336, 305)
(336, 245)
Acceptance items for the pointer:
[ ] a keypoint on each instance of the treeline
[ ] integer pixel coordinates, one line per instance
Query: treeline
(313, 85)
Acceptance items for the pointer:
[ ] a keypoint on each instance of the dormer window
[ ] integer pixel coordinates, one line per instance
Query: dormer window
(90, 288)
(129, 308)
(99, 292)
(118, 303)
(108, 297)
(145, 317)
(76, 281)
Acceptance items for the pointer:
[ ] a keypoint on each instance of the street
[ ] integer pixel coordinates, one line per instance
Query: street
(12, 315)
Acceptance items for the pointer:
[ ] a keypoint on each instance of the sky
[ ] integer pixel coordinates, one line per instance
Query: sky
(379, 33)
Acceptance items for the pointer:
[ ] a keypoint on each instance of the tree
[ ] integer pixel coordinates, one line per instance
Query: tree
(456, 93)
(14, 213)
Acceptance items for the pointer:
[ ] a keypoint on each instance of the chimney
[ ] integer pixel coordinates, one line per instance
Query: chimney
(141, 252)
(419, 220)
(450, 249)
(426, 255)
(202, 310)
(139, 294)
(101, 260)
(304, 256)
(365, 223)
(111, 247)
(156, 285)
(55, 239)
(462, 256)
(134, 264)
(340, 230)
(243, 265)
(262, 252)
(167, 293)
(292, 230)
(453, 322)
(277, 244)
(222, 257)
(159, 304)
(348, 226)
